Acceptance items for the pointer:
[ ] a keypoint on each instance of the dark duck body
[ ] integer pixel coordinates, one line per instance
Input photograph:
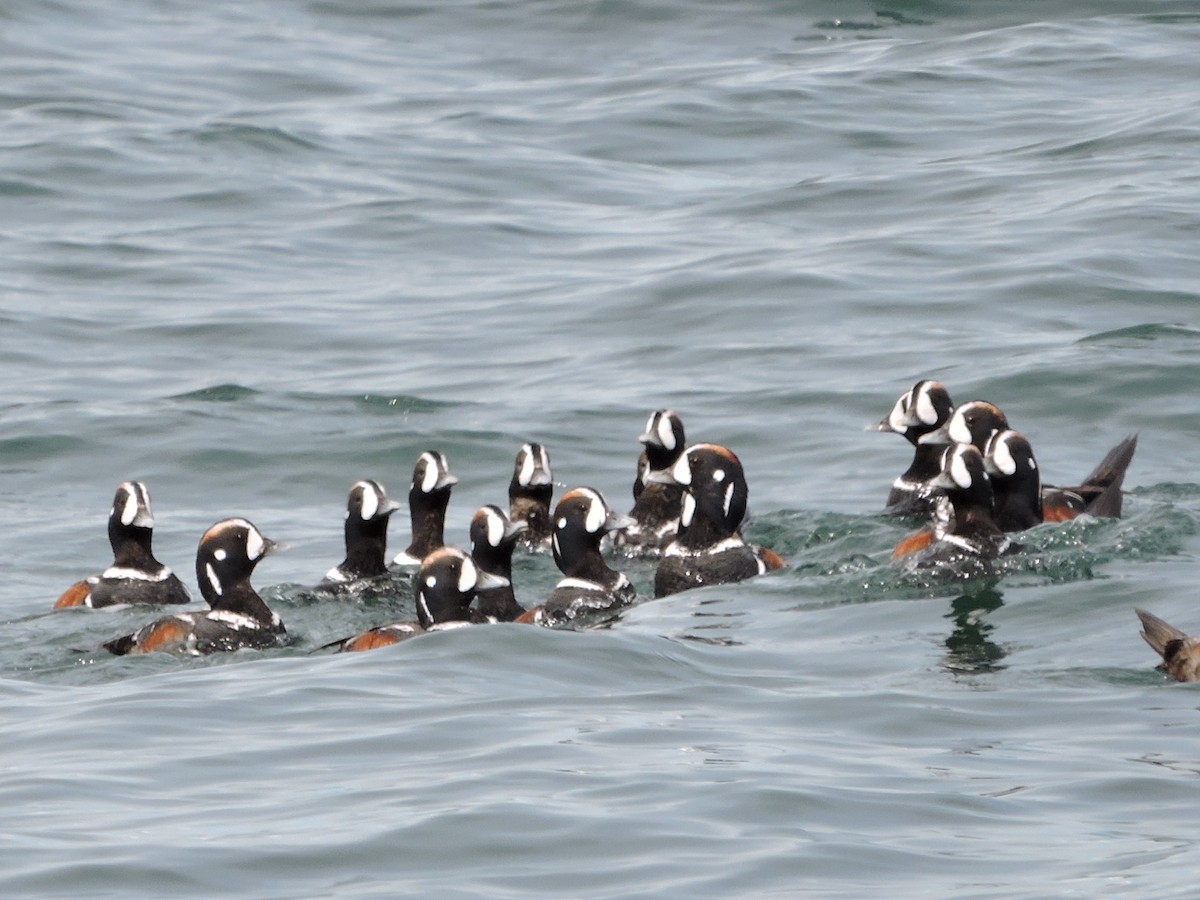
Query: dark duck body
(1100, 492)
(590, 586)
(135, 576)
(428, 498)
(922, 410)
(656, 504)
(529, 494)
(368, 511)
(971, 534)
(238, 617)
(444, 586)
(708, 548)
(493, 538)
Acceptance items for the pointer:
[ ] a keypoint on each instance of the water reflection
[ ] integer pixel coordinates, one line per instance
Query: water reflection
(969, 648)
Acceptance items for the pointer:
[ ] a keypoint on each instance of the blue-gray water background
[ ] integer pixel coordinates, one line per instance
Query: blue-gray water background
(254, 252)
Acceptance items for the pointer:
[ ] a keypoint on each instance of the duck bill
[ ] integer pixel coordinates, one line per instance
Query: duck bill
(486, 581)
(618, 523)
(941, 436)
(659, 476)
(942, 480)
(270, 546)
(886, 426)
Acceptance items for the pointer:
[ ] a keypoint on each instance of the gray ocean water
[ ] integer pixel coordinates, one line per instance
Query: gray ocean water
(254, 252)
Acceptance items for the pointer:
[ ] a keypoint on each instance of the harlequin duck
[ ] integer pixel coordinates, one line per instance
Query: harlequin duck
(135, 576)
(656, 504)
(924, 409)
(368, 510)
(445, 585)
(976, 422)
(708, 548)
(529, 495)
(972, 532)
(1016, 482)
(590, 586)
(238, 617)
(493, 538)
(1180, 653)
(427, 501)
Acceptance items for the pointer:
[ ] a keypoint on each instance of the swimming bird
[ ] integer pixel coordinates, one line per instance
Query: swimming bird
(238, 617)
(656, 505)
(428, 498)
(589, 585)
(135, 576)
(1099, 494)
(922, 410)
(971, 533)
(709, 548)
(529, 495)
(445, 584)
(1180, 653)
(493, 539)
(368, 511)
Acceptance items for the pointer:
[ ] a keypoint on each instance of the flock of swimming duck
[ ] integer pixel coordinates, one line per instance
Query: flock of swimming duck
(974, 481)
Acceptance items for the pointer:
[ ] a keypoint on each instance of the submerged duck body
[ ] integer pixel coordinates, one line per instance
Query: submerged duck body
(444, 586)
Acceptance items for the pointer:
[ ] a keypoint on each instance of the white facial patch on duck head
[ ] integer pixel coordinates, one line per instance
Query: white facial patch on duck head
(368, 503)
(495, 528)
(958, 431)
(528, 465)
(666, 435)
(959, 471)
(597, 514)
(129, 510)
(467, 577)
(925, 409)
(682, 471)
(1001, 456)
(728, 498)
(429, 478)
(898, 417)
(254, 543)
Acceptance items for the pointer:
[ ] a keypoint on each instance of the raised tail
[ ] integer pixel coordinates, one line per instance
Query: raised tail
(1101, 489)
(1157, 633)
